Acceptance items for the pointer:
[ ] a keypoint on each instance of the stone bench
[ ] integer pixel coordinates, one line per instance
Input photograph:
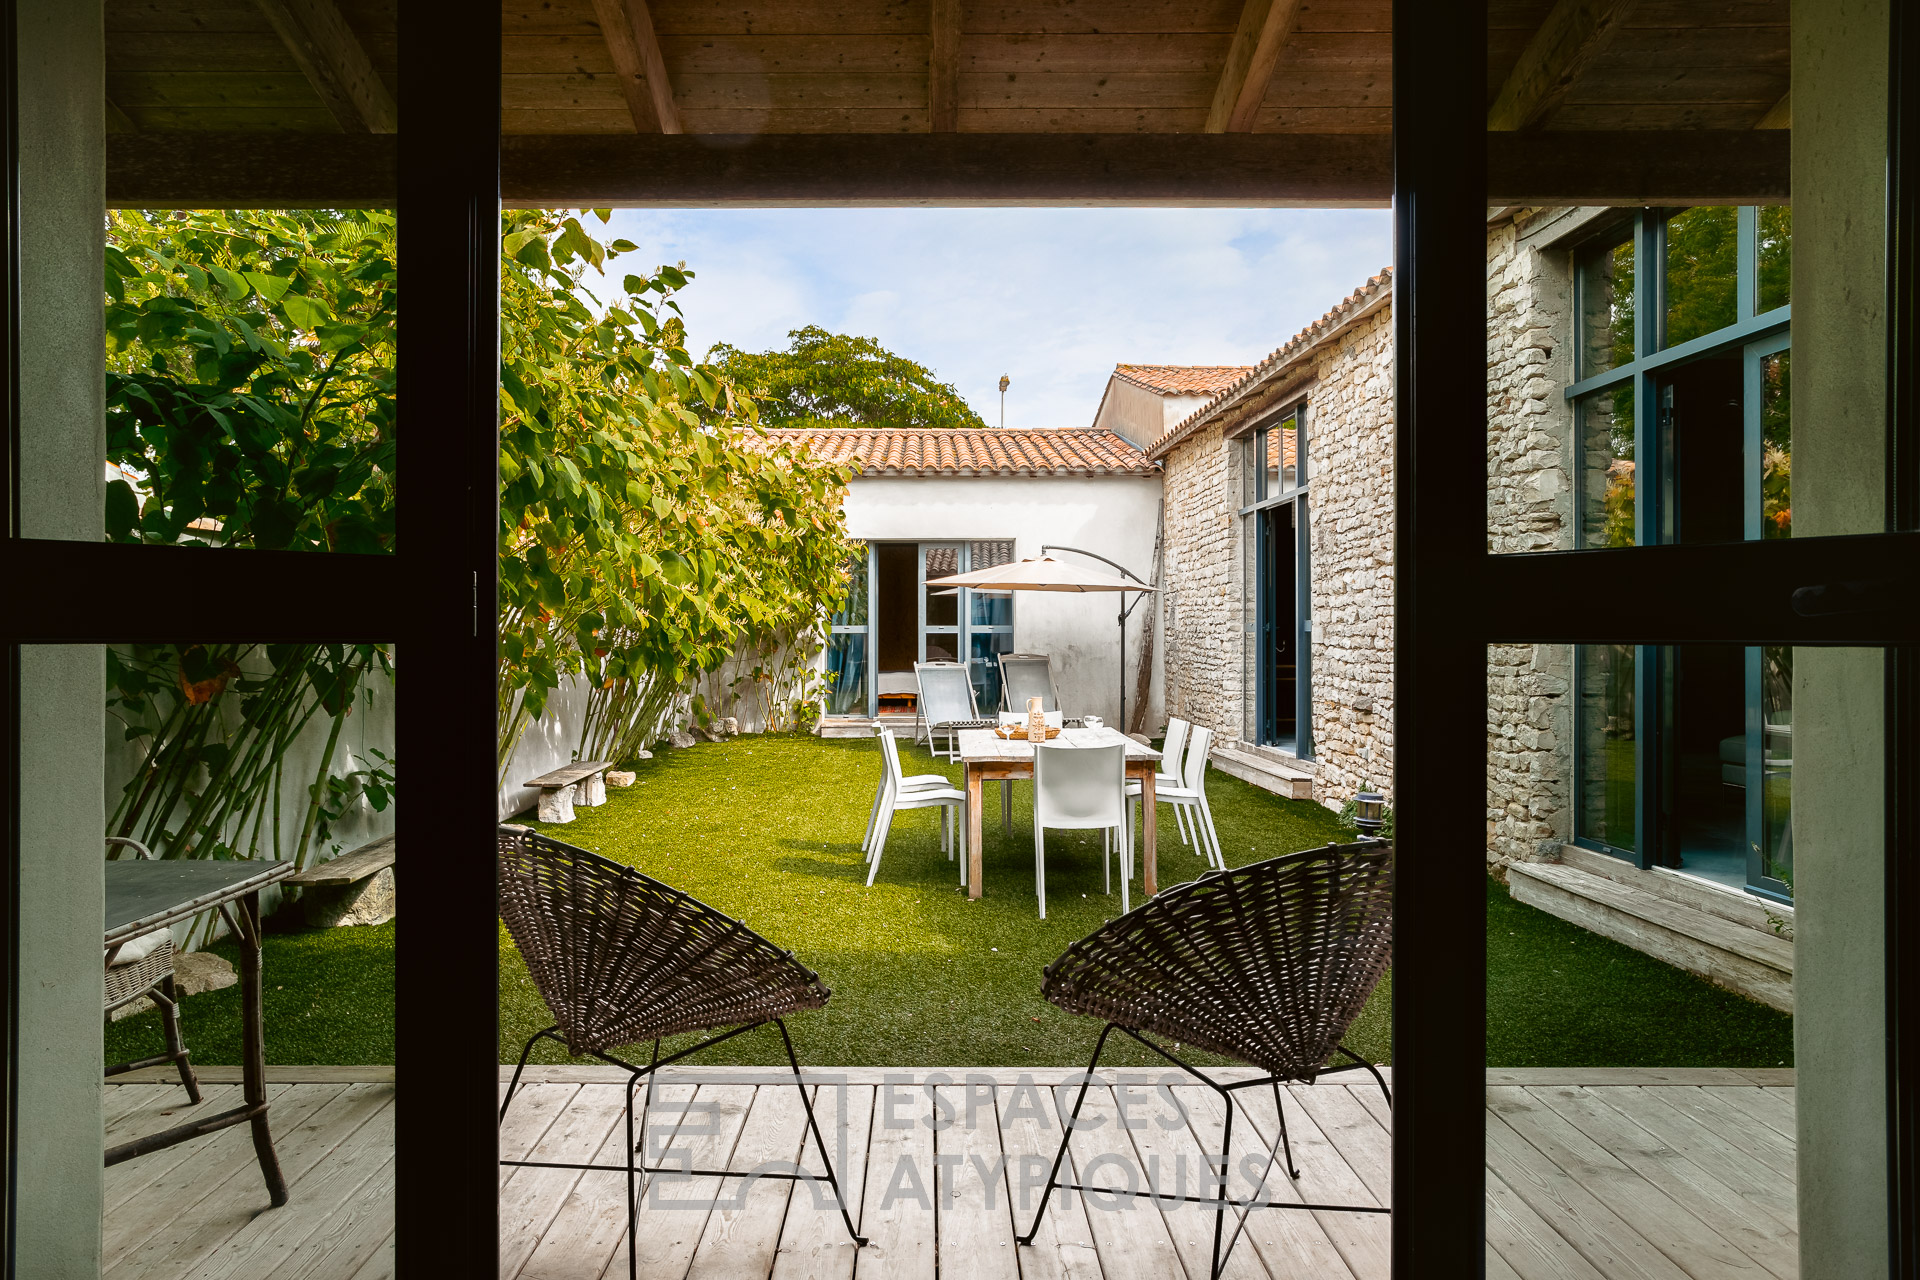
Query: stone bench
(583, 783)
(354, 888)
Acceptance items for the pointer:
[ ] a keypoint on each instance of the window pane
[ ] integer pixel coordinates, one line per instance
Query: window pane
(853, 613)
(1702, 267)
(1606, 733)
(985, 650)
(1776, 445)
(1606, 303)
(1287, 454)
(1774, 249)
(1776, 764)
(847, 674)
(1279, 456)
(992, 610)
(1251, 471)
(1606, 425)
(943, 603)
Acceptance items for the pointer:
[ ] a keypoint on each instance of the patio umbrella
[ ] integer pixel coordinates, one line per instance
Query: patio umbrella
(1044, 573)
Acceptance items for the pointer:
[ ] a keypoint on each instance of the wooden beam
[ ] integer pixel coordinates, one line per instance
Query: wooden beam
(1575, 30)
(251, 170)
(335, 64)
(1251, 58)
(1779, 115)
(277, 170)
(118, 121)
(627, 26)
(943, 66)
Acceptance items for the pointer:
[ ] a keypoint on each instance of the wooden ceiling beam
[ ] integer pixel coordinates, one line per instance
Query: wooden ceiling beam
(335, 64)
(627, 27)
(1779, 115)
(1251, 59)
(1575, 31)
(261, 170)
(943, 66)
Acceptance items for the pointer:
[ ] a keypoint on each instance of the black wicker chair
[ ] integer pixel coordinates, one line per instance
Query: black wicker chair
(1268, 964)
(621, 958)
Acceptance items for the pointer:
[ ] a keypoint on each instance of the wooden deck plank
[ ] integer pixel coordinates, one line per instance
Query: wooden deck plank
(813, 1241)
(1760, 1187)
(1727, 1118)
(1691, 1243)
(1363, 1239)
(352, 1238)
(1586, 1222)
(743, 1232)
(975, 1223)
(530, 1198)
(1764, 1105)
(1172, 1157)
(132, 1178)
(590, 1230)
(1526, 1242)
(1497, 1268)
(1062, 1247)
(1292, 1244)
(1362, 1141)
(675, 1214)
(361, 1167)
(534, 1109)
(897, 1213)
(1696, 1190)
(379, 1266)
(217, 1208)
(1132, 1240)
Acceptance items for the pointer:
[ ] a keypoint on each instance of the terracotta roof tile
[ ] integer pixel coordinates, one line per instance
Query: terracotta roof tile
(990, 452)
(1182, 379)
(1376, 289)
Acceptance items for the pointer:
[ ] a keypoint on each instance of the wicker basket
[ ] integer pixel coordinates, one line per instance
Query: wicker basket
(1020, 733)
(127, 982)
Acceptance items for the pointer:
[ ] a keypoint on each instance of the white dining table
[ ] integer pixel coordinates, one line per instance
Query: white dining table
(990, 757)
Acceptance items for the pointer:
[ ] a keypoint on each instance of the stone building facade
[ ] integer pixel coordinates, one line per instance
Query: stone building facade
(1341, 370)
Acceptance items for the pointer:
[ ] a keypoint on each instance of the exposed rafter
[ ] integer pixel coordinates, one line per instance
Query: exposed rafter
(1251, 58)
(118, 121)
(335, 64)
(1575, 30)
(1779, 115)
(943, 66)
(627, 26)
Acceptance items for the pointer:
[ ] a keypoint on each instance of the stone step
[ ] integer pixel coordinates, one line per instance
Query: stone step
(844, 727)
(1721, 900)
(1754, 962)
(1287, 780)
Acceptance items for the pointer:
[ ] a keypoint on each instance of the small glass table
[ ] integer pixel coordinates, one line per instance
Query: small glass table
(143, 896)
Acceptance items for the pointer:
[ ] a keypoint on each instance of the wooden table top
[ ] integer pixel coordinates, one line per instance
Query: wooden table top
(984, 746)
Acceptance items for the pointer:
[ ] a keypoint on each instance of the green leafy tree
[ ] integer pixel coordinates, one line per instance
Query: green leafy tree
(832, 379)
(649, 530)
(250, 377)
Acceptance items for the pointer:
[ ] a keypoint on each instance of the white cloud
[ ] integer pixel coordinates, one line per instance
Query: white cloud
(1051, 297)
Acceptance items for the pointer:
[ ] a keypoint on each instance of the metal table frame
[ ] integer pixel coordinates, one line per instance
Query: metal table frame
(238, 903)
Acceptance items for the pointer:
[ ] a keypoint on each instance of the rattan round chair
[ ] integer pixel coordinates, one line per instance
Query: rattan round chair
(1267, 964)
(621, 958)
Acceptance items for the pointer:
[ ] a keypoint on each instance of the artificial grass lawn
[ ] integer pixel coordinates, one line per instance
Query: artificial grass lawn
(769, 828)
(328, 1000)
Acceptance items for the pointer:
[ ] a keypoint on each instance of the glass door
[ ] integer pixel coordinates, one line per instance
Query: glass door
(940, 606)
(850, 671)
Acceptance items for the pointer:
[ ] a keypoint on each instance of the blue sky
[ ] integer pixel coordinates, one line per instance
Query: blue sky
(1051, 297)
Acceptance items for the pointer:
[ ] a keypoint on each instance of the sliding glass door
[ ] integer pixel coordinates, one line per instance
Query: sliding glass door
(850, 644)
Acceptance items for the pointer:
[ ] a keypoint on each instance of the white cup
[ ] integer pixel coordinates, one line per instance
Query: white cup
(1093, 722)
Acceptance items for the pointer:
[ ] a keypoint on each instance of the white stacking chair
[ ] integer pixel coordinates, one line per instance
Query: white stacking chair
(1055, 720)
(1188, 793)
(1171, 749)
(897, 794)
(918, 781)
(1079, 789)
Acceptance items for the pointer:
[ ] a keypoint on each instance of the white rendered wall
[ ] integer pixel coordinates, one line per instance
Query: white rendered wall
(1112, 515)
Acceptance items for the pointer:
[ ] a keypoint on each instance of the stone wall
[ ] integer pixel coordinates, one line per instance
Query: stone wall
(1346, 379)
(1530, 507)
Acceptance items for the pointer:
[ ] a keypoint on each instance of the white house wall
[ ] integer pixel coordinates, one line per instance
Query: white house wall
(1112, 515)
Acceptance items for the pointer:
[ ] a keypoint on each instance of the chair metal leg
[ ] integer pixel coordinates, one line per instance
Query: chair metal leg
(1220, 1209)
(1212, 834)
(813, 1127)
(1040, 866)
(176, 1047)
(514, 1083)
(1286, 1147)
(880, 840)
(1066, 1136)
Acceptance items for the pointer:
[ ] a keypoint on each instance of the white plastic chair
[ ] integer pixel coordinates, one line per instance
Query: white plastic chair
(1055, 720)
(1171, 749)
(1190, 795)
(896, 795)
(918, 782)
(1079, 789)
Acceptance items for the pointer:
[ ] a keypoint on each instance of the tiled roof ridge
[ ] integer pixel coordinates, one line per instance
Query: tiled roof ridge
(1337, 315)
(974, 450)
(1205, 377)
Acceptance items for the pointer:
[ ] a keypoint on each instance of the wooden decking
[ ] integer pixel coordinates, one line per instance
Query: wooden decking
(1658, 1175)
